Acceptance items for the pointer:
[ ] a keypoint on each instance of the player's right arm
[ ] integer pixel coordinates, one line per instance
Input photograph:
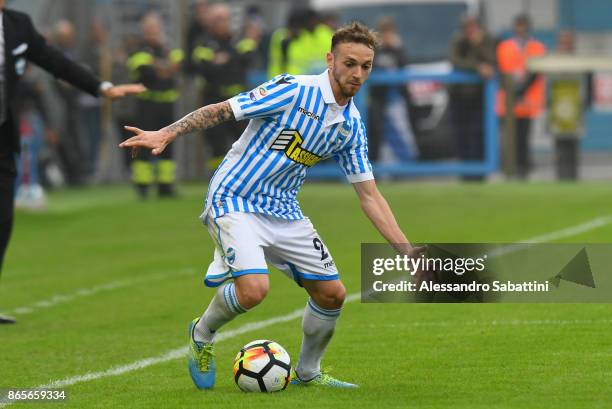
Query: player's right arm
(203, 118)
(267, 100)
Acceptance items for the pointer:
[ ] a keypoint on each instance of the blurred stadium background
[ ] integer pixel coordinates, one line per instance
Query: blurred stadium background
(103, 285)
(417, 127)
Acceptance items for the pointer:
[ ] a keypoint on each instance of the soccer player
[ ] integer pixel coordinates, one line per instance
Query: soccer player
(251, 210)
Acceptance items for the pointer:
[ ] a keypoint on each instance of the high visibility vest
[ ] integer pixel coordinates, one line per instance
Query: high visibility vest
(276, 65)
(305, 54)
(512, 60)
(160, 90)
(322, 37)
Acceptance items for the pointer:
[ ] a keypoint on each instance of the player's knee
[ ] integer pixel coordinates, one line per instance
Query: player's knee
(331, 297)
(251, 292)
(339, 296)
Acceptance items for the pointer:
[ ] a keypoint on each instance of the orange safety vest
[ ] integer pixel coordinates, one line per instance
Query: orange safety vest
(512, 59)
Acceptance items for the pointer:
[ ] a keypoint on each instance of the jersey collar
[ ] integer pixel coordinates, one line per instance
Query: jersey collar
(336, 113)
(326, 89)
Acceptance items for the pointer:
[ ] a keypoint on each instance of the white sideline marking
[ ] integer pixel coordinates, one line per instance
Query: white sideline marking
(572, 230)
(88, 292)
(178, 353)
(170, 355)
(556, 235)
(499, 323)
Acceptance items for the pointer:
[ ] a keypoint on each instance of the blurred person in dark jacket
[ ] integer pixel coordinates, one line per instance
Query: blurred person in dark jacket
(472, 49)
(156, 66)
(255, 34)
(197, 32)
(71, 142)
(20, 42)
(223, 63)
(125, 110)
(96, 57)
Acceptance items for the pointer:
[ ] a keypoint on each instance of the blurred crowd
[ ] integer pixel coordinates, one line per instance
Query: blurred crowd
(61, 144)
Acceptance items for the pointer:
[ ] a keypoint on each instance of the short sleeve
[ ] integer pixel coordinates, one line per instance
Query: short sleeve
(353, 159)
(268, 99)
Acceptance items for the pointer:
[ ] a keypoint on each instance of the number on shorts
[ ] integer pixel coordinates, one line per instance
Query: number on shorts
(318, 245)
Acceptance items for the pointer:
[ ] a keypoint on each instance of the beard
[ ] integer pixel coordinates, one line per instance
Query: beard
(346, 91)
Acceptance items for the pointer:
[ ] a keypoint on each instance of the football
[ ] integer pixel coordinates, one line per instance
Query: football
(262, 366)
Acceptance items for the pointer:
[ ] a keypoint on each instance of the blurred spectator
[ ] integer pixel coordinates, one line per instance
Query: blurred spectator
(156, 66)
(529, 89)
(197, 32)
(390, 56)
(565, 116)
(71, 142)
(301, 47)
(125, 110)
(278, 61)
(314, 42)
(472, 50)
(90, 111)
(254, 34)
(223, 64)
(331, 20)
(33, 128)
(566, 42)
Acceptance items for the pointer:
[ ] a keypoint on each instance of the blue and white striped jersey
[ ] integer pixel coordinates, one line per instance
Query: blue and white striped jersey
(295, 122)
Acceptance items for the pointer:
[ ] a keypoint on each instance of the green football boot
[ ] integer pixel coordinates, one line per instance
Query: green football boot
(322, 379)
(201, 359)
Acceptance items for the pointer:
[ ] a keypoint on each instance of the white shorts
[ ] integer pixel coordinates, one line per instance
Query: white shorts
(246, 242)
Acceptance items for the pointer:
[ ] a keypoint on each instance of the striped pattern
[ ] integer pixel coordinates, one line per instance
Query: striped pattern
(322, 312)
(231, 300)
(265, 168)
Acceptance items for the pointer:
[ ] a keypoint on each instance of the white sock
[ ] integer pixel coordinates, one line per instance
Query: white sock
(318, 325)
(223, 308)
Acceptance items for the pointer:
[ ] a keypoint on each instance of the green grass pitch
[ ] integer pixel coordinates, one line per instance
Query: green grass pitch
(102, 281)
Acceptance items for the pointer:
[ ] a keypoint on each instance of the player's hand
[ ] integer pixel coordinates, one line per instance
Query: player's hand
(154, 140)
(415, 252)
(120, 91)
(422, 274)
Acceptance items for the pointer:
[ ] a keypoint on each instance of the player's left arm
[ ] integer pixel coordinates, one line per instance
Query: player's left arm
(376, 208)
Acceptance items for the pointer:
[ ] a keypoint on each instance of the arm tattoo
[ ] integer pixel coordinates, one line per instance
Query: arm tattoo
(203, 118)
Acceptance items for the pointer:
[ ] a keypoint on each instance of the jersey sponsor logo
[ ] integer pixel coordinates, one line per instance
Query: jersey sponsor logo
(309, 114)
(262, 91)
(290, 142)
